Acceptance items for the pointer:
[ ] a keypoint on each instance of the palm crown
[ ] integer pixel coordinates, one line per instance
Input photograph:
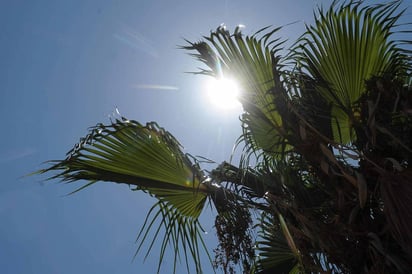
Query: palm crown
(328, 126)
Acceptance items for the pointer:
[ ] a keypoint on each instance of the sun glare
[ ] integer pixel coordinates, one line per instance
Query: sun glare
(223, 93)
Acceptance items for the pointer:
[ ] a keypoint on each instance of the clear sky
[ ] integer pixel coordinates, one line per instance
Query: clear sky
(65, 66)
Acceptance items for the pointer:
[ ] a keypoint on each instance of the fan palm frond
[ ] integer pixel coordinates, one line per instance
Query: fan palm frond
(347, 45)
(254, 63)
(276, 254)
(150, 159)
(182, 234)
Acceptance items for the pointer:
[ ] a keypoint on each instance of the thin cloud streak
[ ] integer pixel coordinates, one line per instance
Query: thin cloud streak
(17, 154)
(136, 41)
(156, 87)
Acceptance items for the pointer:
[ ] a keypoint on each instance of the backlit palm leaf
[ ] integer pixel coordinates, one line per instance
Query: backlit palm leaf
(346, 46)
(275, 254)
(253, 62)
(297, 125)
(149, 159)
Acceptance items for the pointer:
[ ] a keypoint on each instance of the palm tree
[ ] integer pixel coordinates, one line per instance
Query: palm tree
(328, 128)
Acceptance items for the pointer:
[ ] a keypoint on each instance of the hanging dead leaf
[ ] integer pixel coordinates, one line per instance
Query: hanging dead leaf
(350, 178)
(362, 189)
(324, 166)
(302, 131)
(353, 214)
(326, 151)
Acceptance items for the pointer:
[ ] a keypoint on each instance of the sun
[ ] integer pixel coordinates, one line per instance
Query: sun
(223, 93)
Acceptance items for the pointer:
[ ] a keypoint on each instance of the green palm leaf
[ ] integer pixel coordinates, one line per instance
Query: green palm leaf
(254, 63)
(346, 46)
(182, 234)
(149, 159)
(275, 254)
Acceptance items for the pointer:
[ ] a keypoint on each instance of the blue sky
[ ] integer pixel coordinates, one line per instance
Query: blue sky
(67, 65)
